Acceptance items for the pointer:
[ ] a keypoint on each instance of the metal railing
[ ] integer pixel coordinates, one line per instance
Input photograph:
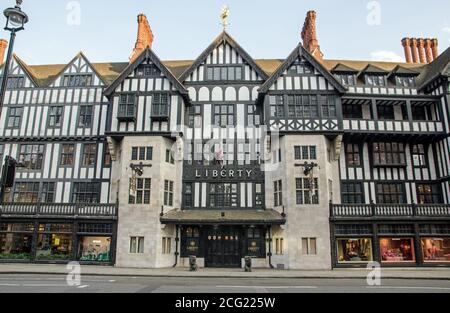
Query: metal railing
(390, 210)
(60, 209)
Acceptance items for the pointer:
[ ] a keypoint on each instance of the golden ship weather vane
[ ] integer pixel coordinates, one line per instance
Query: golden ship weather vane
(225, 13)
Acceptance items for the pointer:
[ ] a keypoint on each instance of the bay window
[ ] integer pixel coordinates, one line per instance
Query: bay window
(389, 154)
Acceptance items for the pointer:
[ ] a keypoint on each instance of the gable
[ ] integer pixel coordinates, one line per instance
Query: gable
(158, 77)
(145, 77)
(224, 60)
(19, 69)
(78, 66)
(447, 71)
(301, 71)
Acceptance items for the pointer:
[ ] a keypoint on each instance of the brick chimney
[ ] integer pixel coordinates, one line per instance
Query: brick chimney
(3, 47)
(434, 48)
(428, 50)
(406, 42)
(422, 56)
(414, 50)
(144, 37)
(309, 36)
(420, 50)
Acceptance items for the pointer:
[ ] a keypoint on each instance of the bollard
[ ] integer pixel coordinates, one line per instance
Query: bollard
(248, 264)
(193, 263)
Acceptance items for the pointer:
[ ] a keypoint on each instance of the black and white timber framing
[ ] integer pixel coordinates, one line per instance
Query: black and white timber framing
(298, 96)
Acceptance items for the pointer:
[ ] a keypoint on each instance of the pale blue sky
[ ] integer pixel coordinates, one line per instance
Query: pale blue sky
(183, 28)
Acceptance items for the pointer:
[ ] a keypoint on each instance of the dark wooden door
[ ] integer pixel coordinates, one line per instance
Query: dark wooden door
(222, 247)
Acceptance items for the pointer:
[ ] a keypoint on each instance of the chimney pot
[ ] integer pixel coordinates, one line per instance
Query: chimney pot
(434, 48)
(3, 46)
(428, 50)
(406, 42)
(414, 50)
(144, 37)
(422, 55)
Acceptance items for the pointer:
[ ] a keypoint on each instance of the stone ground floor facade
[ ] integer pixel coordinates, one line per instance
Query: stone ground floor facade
(103, 240)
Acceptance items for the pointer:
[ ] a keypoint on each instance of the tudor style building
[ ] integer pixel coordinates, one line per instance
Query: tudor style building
(300, 163)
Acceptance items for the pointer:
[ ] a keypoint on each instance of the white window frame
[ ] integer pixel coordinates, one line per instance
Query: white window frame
(139, 242)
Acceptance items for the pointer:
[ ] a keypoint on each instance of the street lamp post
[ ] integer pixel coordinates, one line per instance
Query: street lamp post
(15, 22)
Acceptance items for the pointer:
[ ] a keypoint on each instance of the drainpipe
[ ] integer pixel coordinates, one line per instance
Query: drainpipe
(269, 254)
(177, 239)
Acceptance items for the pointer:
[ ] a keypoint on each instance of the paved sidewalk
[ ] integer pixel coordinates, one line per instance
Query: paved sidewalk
(397, 273)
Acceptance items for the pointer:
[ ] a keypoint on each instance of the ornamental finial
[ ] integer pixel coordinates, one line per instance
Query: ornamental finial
(18, 3)
(225, 13)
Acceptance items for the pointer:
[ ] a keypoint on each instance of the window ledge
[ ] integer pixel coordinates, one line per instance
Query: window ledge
(159, 117)
(390, 165)
(126, 118)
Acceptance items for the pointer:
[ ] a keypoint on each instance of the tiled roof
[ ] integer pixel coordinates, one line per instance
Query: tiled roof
(360, 65)
(434, 69)
(45, 74)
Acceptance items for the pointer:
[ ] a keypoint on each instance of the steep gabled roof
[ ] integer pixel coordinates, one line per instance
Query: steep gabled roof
(25, 68)
(435, 69)
(146, 54)
(108, 72)
(224, 37)
(79, 55)
(299, 52)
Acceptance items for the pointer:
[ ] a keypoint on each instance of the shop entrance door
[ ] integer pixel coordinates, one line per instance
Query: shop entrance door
(222, 247)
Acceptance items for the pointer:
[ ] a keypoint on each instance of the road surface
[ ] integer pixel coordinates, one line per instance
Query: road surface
(108, 284)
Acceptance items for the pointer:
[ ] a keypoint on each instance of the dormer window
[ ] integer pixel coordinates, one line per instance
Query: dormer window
(347, 79)
(224, 73)
(375, 80)
(77, 80)
(405, 81)
(300, 68)
(15, 82)
(149, 70)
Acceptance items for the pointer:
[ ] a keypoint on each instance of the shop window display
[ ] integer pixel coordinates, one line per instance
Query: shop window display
(436, 249)
(354, 250)
(397, 250)
(54, 247)
(15, 246)
(95, 249)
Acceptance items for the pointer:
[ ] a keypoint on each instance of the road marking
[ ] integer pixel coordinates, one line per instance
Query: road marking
(82, 286)
(45, 285)
(408, 287)
(54, 279)
(10, 285)
(31, 279)
(271, 287)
